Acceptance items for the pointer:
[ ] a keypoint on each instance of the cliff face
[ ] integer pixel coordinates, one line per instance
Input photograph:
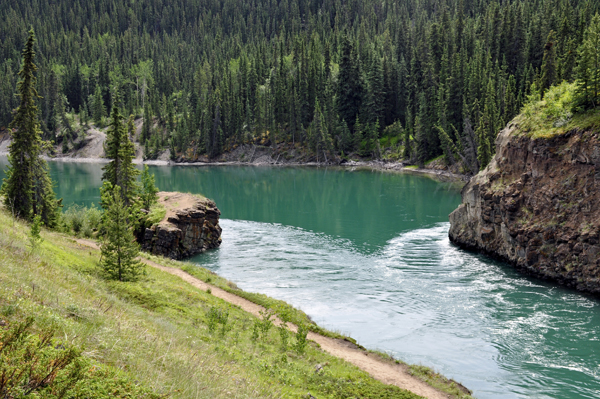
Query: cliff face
(190, 226)
(537, 206)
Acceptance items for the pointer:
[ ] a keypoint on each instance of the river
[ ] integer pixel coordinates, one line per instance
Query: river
(366, 253)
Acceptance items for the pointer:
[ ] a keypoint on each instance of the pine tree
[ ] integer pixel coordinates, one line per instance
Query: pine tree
(119, 249)
(149, 190)
(120, 171)
(129, 173)
(349, 90)
(483, 151)
(549, 64)
(344, 137)
(588, 67)
(98, 109)
(357, 136)
(27, 188)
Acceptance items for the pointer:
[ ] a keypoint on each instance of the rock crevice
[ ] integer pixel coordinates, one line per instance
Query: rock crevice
(537, 206)
(191, 226)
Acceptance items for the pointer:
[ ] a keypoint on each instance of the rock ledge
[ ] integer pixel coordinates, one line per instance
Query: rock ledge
(191, 226)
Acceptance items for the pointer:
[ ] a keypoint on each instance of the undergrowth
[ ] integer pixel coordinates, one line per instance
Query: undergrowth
(554, 114)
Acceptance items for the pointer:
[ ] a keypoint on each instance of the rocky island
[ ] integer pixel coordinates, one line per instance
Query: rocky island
(190, 226)
(536, 206)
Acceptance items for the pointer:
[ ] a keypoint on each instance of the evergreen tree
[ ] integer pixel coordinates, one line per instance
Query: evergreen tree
(27, 188)
(588, 67)
(119, 249)
(120, 171)
(349, 90)
(344, 137)
(98, 109)
(549, 64)
(129, 173)
(149, 190)
(484, 152)
(357, 136)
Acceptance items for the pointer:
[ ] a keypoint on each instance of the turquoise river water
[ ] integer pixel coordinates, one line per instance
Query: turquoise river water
(367, 254)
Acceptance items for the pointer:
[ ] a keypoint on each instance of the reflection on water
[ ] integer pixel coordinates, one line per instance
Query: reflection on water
(367, 254)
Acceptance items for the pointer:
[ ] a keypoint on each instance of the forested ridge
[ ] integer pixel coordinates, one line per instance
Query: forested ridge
(422, 77)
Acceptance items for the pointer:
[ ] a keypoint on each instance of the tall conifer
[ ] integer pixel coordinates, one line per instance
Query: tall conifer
(27, 188)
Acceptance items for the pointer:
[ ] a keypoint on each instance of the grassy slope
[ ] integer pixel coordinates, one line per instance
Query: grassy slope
(155, 331)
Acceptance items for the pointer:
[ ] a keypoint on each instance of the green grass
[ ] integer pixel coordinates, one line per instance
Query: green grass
(154, 334)
(433, 160)
(554, 115)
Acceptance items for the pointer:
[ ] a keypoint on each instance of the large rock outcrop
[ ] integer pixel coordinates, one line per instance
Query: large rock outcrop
(537, 206)
(191, 226)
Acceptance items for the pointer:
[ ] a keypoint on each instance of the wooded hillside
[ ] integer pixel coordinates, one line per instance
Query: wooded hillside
(332, 75)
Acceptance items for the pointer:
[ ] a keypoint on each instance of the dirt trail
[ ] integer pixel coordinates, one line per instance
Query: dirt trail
(386, 372)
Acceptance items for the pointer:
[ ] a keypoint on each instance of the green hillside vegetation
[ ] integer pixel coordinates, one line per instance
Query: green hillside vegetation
(555, 114)
(158, 337)
(330, 77)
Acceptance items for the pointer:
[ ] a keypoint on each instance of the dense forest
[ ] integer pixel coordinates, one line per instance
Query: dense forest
(331, 76)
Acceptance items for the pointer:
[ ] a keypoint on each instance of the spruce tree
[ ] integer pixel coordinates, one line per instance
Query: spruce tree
(27, 188)
(149, 190)
(549, 64)
(119, 249)
(120, 171)
(349, 90)
(128, 173)
(587, 94)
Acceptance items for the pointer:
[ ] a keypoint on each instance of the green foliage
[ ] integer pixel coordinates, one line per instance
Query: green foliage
(549, 73)
(300, 345)
(261, 69)
(27, 188)
(587, 94)
(149, 191)
(34, 364)
(119, 249)
(216, 316)
(120, 171)
(81, 220)
(550, 115)
(157, 214)
(35, 239)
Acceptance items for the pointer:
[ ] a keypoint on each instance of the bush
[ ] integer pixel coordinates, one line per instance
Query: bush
(33, 364)
(81, 220)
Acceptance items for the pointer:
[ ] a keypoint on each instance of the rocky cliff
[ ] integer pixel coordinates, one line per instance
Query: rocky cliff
(537, 206)
(190, 226)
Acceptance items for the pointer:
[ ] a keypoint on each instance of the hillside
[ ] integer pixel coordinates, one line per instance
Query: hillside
(334, 78)
(161, 336)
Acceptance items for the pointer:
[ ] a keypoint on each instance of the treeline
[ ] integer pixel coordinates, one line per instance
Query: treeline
(331, 75)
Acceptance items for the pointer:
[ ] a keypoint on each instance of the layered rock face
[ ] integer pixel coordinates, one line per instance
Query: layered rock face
(537, 206)
(191, 226)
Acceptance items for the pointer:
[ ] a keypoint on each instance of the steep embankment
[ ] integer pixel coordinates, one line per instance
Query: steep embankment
(190, 226)
(536, 206)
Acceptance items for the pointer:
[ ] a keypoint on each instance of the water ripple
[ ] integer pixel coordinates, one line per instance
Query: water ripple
(426, 301)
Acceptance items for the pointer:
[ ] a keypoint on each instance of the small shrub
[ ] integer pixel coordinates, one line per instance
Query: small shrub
(216, 316)
(35, 239)
(301, 342)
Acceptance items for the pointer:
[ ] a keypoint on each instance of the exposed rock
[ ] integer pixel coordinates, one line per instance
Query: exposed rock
(190, 226)
(537, 206)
